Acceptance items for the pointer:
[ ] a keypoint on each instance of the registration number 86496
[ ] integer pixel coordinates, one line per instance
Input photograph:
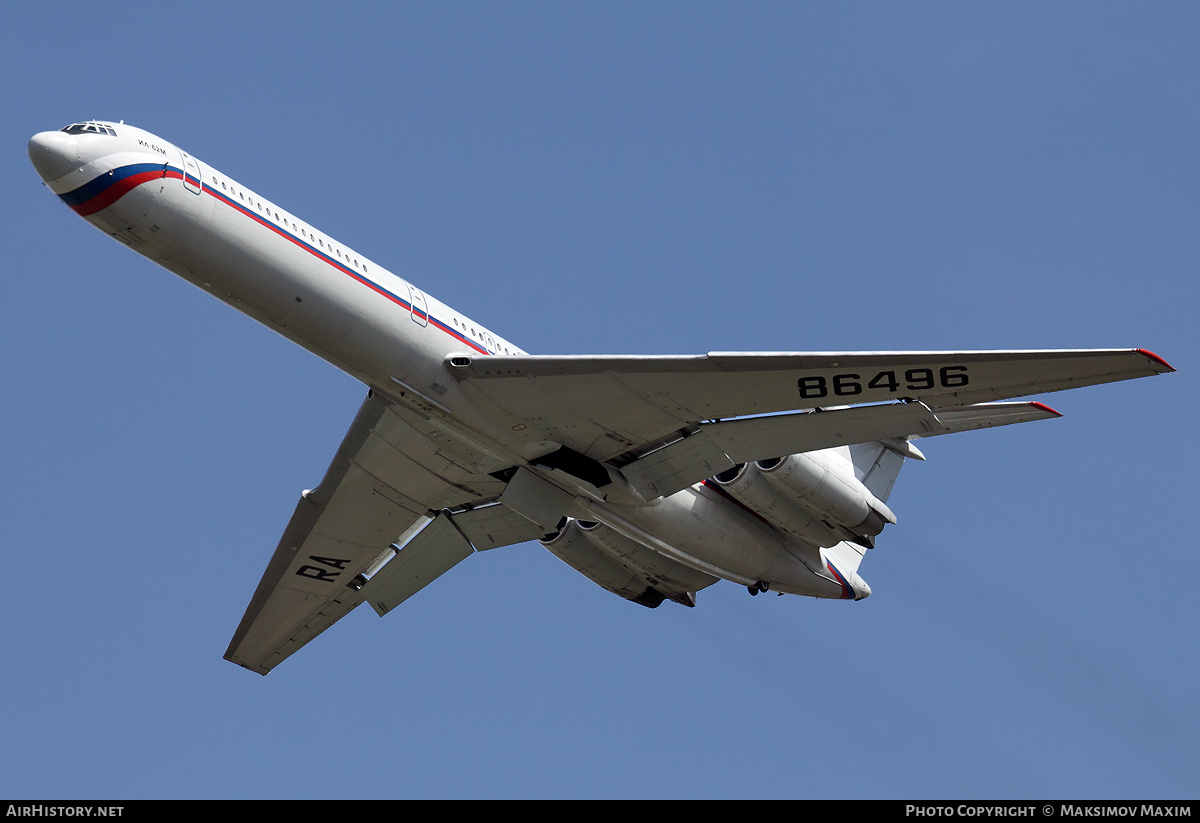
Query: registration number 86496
(911, 380)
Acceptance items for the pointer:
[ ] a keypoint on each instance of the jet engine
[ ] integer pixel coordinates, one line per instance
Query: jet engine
(814, 496)
(823, 482)
(569, 545)
(668, 576)
(747, 485)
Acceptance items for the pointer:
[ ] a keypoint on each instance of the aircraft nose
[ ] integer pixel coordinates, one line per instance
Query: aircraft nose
(53, 154)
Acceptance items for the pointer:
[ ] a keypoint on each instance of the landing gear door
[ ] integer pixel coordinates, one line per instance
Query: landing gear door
(191, 173)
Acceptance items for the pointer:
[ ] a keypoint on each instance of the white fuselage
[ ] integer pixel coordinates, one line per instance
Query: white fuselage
(264, 261)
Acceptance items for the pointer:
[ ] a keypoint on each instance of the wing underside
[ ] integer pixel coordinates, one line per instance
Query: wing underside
(402, 503)
(611, 406)
(386, 479)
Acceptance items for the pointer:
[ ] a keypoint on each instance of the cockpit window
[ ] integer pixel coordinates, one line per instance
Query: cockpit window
(89, 128)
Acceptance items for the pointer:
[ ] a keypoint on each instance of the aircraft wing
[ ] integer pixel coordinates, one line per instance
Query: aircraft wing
(385, 482)
(401, 503)
(610, 407)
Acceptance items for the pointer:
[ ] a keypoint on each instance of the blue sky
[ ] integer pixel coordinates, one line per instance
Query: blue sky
(616, 178)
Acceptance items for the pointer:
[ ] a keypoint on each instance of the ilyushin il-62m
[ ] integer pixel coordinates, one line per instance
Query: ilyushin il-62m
(654, 477)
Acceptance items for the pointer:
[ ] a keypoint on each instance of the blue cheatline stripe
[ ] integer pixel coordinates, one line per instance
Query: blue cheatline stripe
(79, 196)
(847, 591)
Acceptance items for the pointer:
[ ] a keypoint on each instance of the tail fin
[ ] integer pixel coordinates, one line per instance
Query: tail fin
(877, 464)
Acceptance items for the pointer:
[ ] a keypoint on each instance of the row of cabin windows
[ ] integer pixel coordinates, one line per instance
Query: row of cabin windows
(320, 243)
(294, 227)
(98, 128)
(482, 338)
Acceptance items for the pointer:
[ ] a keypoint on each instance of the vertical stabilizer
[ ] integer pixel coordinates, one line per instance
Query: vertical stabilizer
(877, 465)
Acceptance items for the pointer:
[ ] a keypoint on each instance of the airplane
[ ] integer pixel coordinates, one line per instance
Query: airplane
(653, 476)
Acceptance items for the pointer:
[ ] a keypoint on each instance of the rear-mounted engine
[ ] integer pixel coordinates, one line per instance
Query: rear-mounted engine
(814, 496)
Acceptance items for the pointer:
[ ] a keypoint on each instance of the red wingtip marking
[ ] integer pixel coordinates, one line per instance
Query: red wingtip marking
(1152, 356)
(1044, 407)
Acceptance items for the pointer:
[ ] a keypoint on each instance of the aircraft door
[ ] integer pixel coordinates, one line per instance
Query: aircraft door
(191, 173)
(420, 311)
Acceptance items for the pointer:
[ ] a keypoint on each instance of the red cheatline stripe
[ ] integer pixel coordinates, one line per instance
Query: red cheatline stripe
(118, 190)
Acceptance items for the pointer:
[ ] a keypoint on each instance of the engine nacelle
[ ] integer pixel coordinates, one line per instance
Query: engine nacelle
(824, 483)
(747, 485)
(671, 578)
(570, 546)
(708, 536)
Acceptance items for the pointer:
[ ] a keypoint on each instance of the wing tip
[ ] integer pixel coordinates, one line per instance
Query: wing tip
(232, 658)
(1154, 358)
(1045, 408)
